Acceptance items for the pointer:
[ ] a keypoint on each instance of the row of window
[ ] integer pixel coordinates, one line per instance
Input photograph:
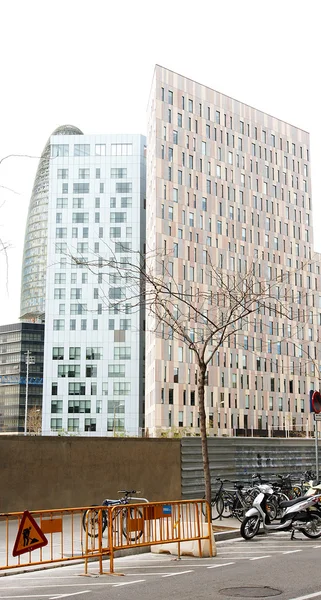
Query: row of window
(192, 180)
(84, 188)
(84, 173)
(114, 232)
(114, 424)
(84, 406)
(198, 163)
(222, 119)
(92, 353)
(226, 401)
(119, 388)
(85, 150)
(125, 202)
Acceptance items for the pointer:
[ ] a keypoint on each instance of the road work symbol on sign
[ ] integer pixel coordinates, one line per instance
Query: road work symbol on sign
(29, 536)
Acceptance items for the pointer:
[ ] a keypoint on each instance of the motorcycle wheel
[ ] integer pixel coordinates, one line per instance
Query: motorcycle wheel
(250, 527)
(314, 530)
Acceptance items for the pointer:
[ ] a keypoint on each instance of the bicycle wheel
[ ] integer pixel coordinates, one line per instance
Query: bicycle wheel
(217, 507)
(90, 521)
(130, 533)
(272, 509)
(278, 498)
(228, 503)
(297, 491)
(239, 510)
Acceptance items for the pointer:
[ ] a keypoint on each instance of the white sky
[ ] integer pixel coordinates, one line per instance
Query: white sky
(90, 64)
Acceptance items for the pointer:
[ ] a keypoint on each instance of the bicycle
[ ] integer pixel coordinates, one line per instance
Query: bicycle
(90, 519)
(236, 502)
(217, 502)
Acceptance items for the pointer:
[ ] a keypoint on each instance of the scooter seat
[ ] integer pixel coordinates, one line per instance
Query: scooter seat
(286, 503)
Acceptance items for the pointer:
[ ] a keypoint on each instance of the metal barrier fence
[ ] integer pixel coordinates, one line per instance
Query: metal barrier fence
(88, 533)
(62, 528)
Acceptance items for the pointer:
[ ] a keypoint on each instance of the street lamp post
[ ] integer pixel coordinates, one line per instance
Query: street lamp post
(30, 360)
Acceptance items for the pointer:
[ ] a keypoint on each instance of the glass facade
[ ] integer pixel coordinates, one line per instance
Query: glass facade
(34, 263)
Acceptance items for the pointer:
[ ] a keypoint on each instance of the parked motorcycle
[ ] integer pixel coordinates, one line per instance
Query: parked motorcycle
(301, 514)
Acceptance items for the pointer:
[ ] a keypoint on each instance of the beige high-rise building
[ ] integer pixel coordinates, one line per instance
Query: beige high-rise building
(230, 181)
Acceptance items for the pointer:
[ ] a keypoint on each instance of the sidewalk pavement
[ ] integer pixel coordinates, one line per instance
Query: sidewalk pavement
(225, 529)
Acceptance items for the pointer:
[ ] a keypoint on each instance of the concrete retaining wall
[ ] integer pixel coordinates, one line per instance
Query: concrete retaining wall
(55, 472)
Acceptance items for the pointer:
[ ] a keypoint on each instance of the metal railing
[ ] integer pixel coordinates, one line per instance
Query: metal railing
(73, 536)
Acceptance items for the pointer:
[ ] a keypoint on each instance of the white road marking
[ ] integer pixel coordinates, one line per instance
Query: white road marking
(260, 557)
(291, 551)
(46, 595)
(178, 573)
(67, 595)
(307, 596)
(223, 565)
(16, 587)
(129, 582)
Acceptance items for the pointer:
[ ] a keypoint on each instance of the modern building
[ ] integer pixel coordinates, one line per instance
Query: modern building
(94, 367)
(229, 182)
(20, 343)
(34, 263)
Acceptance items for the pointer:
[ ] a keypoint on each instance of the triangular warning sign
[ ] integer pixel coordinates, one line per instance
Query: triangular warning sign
(29, 536)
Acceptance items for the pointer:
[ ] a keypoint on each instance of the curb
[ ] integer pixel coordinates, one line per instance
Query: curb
(226, 535)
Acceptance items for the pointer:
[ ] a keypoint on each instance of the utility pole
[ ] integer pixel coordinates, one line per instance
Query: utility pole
(30, 360)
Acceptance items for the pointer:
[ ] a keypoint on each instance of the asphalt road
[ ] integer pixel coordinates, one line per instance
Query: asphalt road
(265, 567)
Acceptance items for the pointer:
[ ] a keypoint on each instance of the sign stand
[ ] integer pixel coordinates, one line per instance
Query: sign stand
(29, 536)
(315, 406)
(316, 419)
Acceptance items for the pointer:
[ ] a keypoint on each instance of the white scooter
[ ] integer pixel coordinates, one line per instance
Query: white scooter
(301, 514)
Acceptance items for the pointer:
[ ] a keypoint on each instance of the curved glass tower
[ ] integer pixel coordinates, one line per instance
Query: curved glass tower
(34, 262)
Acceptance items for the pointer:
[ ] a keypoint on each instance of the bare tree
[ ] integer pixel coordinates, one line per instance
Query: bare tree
(34, 421)
(203, 316)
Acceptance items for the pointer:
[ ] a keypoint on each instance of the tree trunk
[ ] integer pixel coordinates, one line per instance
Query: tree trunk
(202, 414)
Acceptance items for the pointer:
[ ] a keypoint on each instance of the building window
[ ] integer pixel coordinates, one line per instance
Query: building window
(125, 202)
(90, 424)
(122, 353)
(59, 150)
(91, 370)
(116, 370)
(83, 173)
(76, 389)
(69, 370)
(118, 173)
(81, 188)
(100, 149)
(56, 406)
(124, 187)
(73, 425)
(78, 203)
(56, 424)
(58, 353)
(74, 353)
(62, 203)
(82, 150)
(94, 353)
(121, 149)
(62, 173)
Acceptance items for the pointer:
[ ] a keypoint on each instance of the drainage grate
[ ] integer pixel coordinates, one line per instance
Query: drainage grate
(250, 592)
